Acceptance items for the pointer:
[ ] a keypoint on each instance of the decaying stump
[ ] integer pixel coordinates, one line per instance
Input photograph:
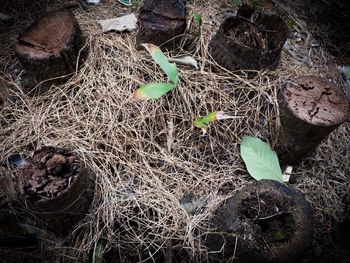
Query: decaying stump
(247, 41)
(161, 22)
(310, 109)
(57, 187)
(264, 222)
(51, 47)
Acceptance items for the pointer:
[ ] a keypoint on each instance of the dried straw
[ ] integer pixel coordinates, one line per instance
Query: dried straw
(148, 155)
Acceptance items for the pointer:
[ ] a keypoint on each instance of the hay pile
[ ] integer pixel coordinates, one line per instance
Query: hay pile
(147, 155)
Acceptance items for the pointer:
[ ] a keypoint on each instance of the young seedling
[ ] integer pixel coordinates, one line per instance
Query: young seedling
(203, 122)
(153, 91)
(197, 18)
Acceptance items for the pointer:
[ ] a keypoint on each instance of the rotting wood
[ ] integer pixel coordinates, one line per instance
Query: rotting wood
(263, 222)
(58, 187)
(311, 108)
(161, 22)
(245, 44)
(52, 47)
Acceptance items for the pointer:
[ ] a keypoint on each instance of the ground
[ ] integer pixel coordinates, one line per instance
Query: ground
(147, 156)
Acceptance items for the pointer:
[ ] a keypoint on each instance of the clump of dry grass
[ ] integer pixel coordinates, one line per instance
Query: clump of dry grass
(147, 155)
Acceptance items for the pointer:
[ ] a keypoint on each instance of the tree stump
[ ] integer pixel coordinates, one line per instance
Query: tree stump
(244, 42)
(51, 47)
(310, 109)
(161, 22)
(58, 187)
(263, 222)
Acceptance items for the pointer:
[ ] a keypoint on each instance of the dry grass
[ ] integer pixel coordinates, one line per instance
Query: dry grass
(147, 155)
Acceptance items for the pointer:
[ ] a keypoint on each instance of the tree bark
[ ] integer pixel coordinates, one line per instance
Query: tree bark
(311, 108)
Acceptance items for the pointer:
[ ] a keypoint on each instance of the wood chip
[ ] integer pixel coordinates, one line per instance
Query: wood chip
(119, 24)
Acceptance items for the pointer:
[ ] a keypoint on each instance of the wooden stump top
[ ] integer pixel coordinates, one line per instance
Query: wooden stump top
(174, 9)
(316, 101)
(48, 36)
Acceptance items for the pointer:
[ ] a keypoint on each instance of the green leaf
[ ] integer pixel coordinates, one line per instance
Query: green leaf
(291, 24)
(152, 91)
(170, 69)
(204, 121)
(261, 161)
(197, 18)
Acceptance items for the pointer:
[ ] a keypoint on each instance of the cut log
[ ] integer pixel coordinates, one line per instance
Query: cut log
(51, 47)
(58, 187)
(161, 22)
(265, 221)
(242, 44)
(311, 108)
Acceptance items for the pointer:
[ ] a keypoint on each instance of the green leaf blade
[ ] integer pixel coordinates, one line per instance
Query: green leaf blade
(152, 91)
(170, 69)
(197, 18)
(260, 160)
(204, 121)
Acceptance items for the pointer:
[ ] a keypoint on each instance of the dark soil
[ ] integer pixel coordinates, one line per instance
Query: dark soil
(50, 172)
(270, 212)
(247, 34)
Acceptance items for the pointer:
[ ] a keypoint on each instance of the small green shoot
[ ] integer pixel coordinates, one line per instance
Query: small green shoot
(291, 24)
(153, 91)
(260, 160)
(197, 18)
(203, 122)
